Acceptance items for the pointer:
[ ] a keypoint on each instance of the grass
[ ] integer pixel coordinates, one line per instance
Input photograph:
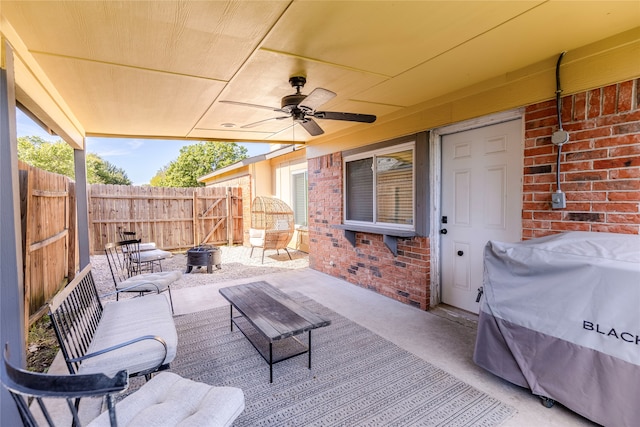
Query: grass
(42, 345)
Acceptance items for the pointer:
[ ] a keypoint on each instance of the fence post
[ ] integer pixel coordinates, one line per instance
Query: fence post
(229, 217)
(71, 237)
(196, 227)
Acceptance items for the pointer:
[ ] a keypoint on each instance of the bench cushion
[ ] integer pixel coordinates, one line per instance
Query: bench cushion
(146, 281)
(170, 400)
(126, 320)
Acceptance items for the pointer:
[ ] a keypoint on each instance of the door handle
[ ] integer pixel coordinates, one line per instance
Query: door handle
(443, 231)
(460, 253)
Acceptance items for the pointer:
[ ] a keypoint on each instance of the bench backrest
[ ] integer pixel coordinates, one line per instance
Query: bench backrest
(75, 313)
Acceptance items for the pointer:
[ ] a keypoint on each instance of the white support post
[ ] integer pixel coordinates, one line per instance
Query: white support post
(82, 205)
(11, 277)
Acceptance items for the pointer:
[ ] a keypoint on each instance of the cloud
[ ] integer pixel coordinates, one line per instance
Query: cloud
(114, 147)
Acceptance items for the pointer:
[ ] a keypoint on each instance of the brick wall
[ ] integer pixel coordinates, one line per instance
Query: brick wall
(600, 165)
(370, 264)
(599, 172)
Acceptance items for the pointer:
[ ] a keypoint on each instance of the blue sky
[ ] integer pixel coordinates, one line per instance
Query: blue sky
(140, 158)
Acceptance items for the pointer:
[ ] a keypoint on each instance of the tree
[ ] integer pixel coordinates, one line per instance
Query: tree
(57, 157)
(197, 160)
(158, 179)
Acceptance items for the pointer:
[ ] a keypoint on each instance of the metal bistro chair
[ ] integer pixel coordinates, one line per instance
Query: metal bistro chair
(167, 399)
(143, 257)
(125, 269)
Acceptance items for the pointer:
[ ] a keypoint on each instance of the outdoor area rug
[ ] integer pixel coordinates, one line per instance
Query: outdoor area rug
(357, 378)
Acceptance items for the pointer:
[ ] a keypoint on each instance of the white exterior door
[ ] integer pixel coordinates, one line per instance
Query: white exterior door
(481, 201)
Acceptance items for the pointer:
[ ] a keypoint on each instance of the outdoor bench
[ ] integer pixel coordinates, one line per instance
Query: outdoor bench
(136, 334)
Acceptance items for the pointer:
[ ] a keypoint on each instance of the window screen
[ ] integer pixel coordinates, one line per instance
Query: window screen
(394, 187)
(299, 197)
(359, 190)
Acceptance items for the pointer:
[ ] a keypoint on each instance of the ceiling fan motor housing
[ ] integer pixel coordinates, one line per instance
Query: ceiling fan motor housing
(290, 102)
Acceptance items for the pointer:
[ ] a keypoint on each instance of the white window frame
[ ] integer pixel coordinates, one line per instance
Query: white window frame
(372, 154)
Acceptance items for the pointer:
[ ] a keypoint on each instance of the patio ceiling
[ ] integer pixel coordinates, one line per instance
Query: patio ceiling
(160, 69)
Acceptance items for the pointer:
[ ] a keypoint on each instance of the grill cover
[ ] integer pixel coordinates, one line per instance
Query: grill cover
(561, 316)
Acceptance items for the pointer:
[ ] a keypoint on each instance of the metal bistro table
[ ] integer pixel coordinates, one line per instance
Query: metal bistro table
(270, 320)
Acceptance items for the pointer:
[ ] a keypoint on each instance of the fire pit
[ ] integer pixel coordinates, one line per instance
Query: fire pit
(203, 256)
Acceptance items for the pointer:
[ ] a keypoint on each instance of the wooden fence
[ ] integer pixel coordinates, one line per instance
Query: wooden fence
(173, 218)
(47, 205)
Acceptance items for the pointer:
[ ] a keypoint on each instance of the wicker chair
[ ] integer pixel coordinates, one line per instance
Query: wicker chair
(272, 225)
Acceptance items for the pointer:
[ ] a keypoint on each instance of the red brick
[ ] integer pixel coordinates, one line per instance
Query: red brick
(609, 228)
(616, 207)
(625, 173)
(625, 96)
(585, 175)
(610, 99)
(567, 108)
(623, 196)
(617, 140)
(548, 215)
(580, 125)
(570, 226)
(627, 117)
(619, 162)
(623, 218)
(593, 110)
(579, 106)
(586, 195)
(586, 155)
(619, 184)
(598, 132)
(627, 150)
(577, 186)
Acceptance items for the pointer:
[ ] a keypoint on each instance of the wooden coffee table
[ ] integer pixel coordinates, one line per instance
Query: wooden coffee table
(271, 320)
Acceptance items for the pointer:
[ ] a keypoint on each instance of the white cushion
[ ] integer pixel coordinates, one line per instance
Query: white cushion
(126, 320)
(256, 237)
(152, 255)
(170, 400)
(256, 232)
(150, 281)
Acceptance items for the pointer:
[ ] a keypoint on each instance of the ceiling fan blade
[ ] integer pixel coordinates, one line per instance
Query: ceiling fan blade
(349, 117)
(254, 124)
(316, 98)
(244, 104)
(311, 126)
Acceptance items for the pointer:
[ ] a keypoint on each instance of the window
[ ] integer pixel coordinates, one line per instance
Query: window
(379, 187)
(299, 197)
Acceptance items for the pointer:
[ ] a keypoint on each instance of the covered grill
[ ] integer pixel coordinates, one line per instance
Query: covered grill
(203, 256)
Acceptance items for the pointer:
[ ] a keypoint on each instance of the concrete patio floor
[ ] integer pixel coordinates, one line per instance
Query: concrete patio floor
(443, 336)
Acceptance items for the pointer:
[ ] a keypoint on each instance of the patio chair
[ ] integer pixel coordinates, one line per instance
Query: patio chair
(143, 260)
(131, 235)
(167, 399)
(125, 269)
(272, 225)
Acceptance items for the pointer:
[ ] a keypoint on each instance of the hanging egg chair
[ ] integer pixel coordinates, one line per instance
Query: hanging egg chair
(272, 225)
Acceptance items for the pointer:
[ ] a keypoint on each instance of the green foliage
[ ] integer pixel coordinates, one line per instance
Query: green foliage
(57, 157)
(198, 160)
